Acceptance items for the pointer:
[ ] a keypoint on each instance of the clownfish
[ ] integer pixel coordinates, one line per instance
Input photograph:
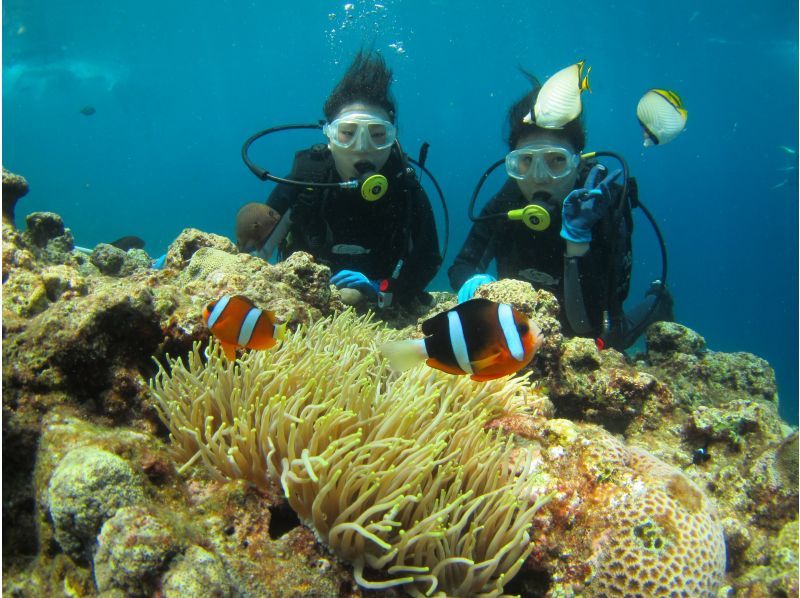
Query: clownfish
(479, 337)
(237, 322)
(559, 99)
(661, 115)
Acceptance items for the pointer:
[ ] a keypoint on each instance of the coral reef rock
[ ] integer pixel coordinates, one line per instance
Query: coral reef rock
(138, 461)
(86, 489)
(14, 187)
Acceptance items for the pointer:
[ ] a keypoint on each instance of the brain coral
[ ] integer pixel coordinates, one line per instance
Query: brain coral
(662, 536)
(396, 474)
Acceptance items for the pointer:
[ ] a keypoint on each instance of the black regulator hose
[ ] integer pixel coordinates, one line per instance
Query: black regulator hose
(423, 154)
(264, 174)
(471, 210)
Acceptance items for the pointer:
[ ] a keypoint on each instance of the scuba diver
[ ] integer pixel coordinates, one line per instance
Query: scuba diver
(575, 236)
(354, 203)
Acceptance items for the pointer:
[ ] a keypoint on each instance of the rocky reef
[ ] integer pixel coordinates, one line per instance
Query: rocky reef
(665, 472)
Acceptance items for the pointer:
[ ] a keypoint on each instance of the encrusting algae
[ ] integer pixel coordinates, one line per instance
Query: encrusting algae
(395, 473)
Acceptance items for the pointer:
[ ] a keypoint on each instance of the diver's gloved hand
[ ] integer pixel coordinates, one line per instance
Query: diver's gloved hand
(350, 279)
(584, 207)
(467, 290)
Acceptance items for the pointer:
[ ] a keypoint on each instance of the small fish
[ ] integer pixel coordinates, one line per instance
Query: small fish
(481, 338)
(87, 110)
(789, 150)
(559, 99)
(779, 185)
(661, 115)
(237, 323)
(254, 223)
(128, 242)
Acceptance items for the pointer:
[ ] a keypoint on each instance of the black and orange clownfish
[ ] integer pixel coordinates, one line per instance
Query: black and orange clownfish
(479, 337)
(237, 322)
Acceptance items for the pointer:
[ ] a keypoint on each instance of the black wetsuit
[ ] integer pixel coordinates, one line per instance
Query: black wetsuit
(345, 232)
(603, 272)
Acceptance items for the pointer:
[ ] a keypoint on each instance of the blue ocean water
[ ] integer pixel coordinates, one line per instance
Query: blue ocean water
(177, 87)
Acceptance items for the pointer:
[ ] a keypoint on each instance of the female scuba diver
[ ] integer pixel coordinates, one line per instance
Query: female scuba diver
(361, 209)
(577, 242)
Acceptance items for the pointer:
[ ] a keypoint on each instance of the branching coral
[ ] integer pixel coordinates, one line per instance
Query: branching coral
(395, 473)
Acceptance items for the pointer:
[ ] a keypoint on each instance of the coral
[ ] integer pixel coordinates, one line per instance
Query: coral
(660, 539)
(77, 347)
(733, 422)
(778, 571)
(107, 258)
(198, 573)
(190, 241)
(297, 287)
(700, 376)
(665, 339)
(392, 473)
(621, 521)
(261, 543)
(133, 549)
(14, 187)
(46, 231)
(113, 261)
(600, 386)
(86, 489)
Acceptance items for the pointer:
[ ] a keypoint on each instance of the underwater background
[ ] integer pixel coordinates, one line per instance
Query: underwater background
(128, 119)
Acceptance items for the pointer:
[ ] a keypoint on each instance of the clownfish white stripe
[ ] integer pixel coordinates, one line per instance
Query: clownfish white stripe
(506, 318)
(458, 342)
(217, 311)
(248, 326)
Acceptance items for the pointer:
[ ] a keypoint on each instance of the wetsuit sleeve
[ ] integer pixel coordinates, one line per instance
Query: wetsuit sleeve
(478, 251)
(424, 260)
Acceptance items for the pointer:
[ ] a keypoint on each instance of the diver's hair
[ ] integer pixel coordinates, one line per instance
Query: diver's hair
(367, 80)
(574, 131)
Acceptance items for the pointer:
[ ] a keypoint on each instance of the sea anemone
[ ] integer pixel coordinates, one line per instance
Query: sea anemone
(395, 473)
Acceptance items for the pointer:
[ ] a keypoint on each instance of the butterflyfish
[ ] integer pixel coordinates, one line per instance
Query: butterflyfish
(238, 323)
(661, 115)
(559, 99)
(479, 338)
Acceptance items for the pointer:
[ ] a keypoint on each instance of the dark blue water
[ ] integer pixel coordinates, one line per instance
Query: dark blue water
(177, 90)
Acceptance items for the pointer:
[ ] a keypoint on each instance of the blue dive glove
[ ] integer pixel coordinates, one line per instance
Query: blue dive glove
(468, 289)
(584, 207)
(350, 279)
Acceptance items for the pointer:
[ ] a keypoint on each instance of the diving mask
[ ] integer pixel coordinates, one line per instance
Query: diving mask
(541, 162)
(361, 132)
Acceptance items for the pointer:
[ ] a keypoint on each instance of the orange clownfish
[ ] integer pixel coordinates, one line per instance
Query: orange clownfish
(236, 322)
(479, 337)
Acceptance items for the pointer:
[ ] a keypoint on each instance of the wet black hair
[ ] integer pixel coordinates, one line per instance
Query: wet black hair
(367, 80)
(574, 131)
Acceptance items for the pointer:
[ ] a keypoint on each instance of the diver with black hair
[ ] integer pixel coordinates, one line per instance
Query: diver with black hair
(577, 242)
(363, 211)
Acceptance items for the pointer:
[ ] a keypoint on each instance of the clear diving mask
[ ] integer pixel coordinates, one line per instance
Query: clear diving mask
(541, 162)
(360, 132)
